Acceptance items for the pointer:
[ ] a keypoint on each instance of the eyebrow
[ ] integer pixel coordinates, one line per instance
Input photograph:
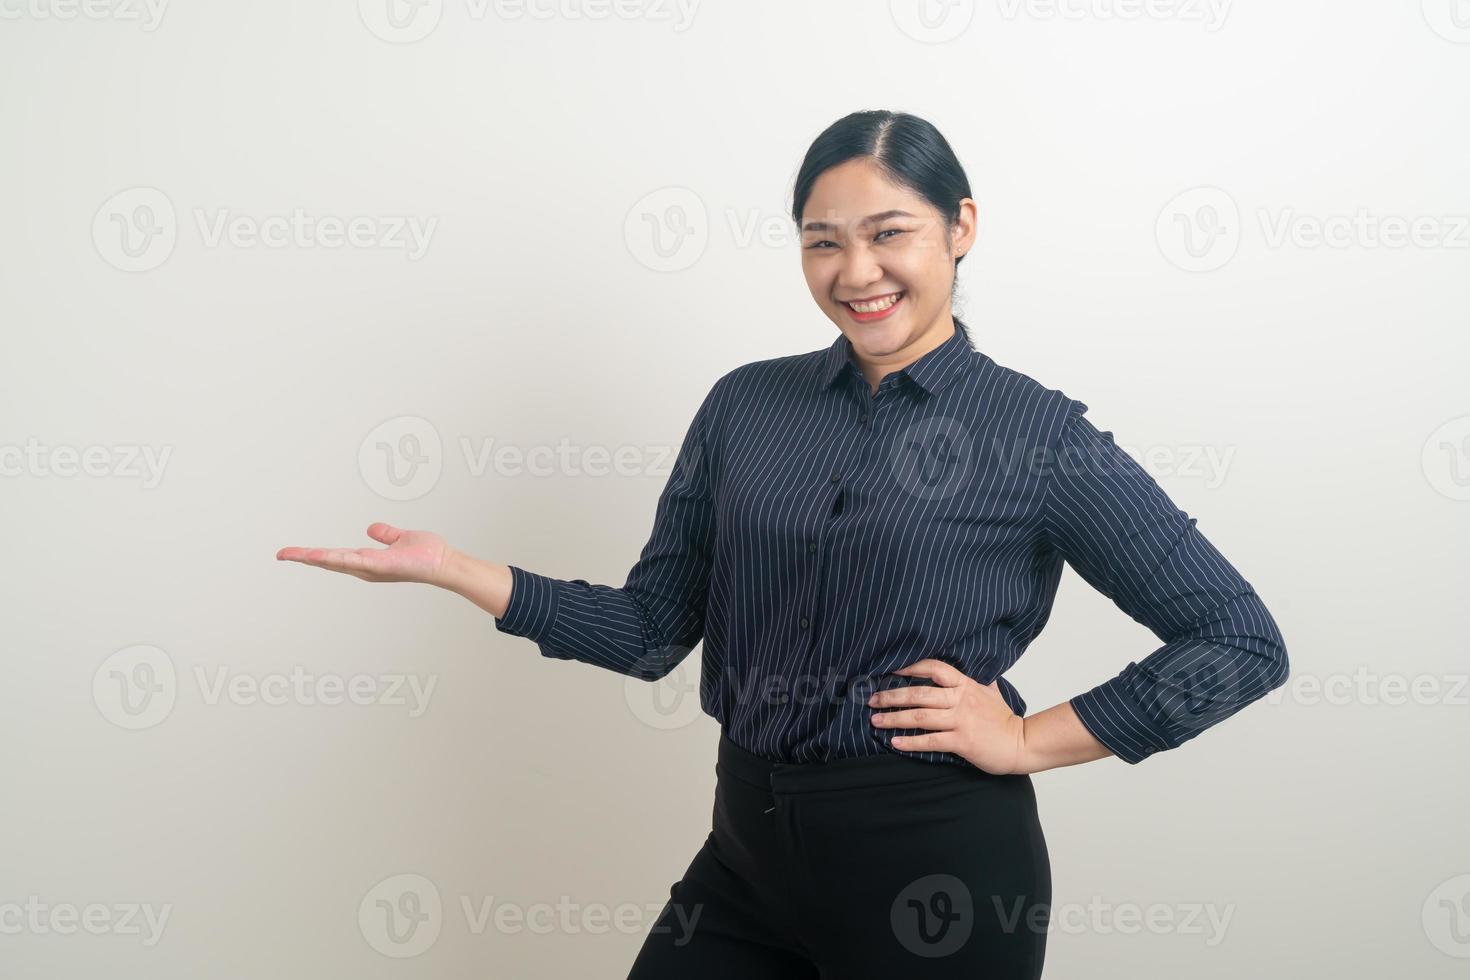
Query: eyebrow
(870, 219)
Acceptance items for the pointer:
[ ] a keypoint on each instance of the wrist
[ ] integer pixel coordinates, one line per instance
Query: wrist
(486, 584)
(1055, 738)
(1028, 763)
(453, 570)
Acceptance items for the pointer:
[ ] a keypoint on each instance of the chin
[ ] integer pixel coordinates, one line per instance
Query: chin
(877, 340)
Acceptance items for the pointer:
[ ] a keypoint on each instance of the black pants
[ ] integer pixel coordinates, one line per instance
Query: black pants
(881, 866)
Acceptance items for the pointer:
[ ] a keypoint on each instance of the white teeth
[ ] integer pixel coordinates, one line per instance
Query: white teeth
(876, 305)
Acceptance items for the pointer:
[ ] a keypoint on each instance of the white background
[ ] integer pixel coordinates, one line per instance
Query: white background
(1136, 169)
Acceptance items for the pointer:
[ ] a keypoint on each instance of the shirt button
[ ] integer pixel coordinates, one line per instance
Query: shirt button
(803, 622)
(811, 547)
(863, 418)
(836, 477)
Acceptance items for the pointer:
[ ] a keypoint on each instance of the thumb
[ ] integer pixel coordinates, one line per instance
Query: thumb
(385, 533)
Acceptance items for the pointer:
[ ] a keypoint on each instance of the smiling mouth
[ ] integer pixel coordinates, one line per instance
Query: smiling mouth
(875, 304)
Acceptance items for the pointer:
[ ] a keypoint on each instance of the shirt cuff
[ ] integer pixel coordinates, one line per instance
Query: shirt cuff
(534, 600)
(1114, 715)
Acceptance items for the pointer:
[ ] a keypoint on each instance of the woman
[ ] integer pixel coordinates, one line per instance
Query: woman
(866, 537)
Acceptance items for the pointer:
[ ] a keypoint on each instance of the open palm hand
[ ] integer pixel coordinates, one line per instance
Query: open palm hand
(411, 556)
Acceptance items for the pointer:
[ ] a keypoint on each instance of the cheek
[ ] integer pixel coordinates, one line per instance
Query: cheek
(921, 269)
(816, 281)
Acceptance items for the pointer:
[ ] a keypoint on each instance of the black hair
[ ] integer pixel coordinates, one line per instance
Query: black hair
(909, 150)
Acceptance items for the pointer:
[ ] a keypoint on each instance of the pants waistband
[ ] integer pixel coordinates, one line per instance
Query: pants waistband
(848, 773)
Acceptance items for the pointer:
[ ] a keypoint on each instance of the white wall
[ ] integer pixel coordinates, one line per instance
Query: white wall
(1328, 382)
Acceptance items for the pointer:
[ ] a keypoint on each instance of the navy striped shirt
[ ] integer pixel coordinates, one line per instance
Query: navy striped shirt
(817, 535)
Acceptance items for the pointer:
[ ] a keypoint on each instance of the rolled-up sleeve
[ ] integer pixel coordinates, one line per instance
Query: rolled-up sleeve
(648, 626)
(1111, 521)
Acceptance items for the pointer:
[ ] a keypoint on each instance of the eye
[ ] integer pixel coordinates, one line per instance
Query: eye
(887, 231)
(820, 243)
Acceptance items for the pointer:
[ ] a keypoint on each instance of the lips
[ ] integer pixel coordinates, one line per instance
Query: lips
(877, 314)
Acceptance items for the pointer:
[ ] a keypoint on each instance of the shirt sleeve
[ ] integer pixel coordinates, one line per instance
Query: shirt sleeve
(648, 626)
(1222, 650)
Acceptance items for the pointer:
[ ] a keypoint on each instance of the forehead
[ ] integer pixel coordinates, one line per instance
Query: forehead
(851, 191)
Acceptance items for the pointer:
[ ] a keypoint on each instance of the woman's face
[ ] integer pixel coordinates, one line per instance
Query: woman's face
(864, 237)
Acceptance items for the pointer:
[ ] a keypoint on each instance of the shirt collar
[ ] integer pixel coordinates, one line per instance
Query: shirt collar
(930, 372)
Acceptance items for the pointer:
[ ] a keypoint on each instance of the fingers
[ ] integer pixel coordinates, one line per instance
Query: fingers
(936, 670)
(343, 558)
(920, 694)
(934, 742)
(934, 719)
(336, 559)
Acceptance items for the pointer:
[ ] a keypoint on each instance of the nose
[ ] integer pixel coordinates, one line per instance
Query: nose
(858, 269)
